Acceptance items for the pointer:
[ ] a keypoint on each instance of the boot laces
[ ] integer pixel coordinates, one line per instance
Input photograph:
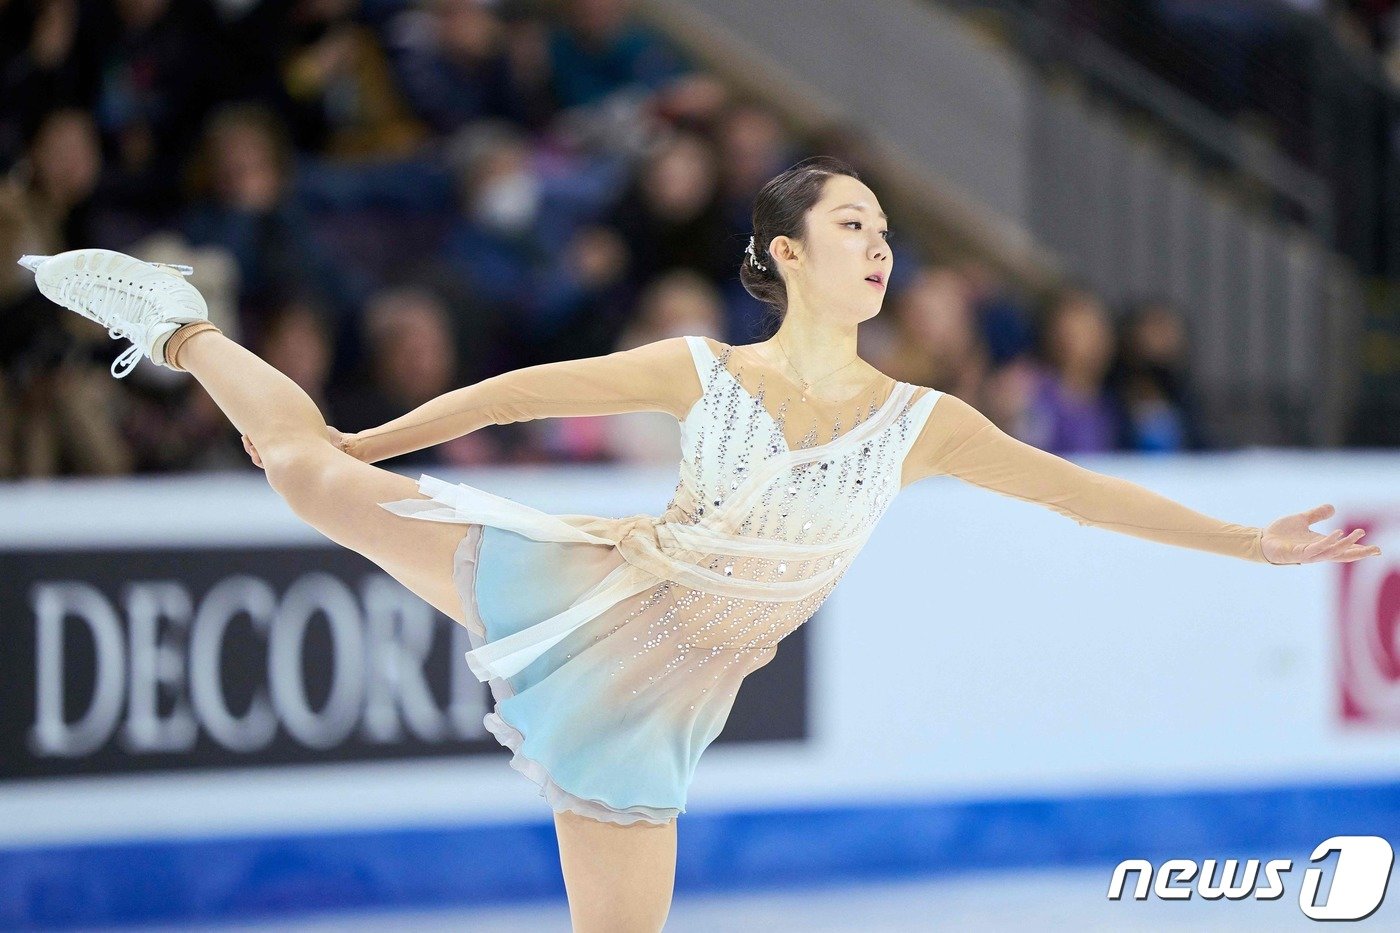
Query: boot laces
(125, 311)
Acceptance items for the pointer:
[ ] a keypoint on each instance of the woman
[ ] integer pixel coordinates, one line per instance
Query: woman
(618, 663)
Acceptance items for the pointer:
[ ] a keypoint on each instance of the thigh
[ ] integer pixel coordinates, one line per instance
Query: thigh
(619, 878)
(339, 496)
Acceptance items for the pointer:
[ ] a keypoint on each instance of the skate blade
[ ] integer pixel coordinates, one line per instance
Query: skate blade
(32, 263)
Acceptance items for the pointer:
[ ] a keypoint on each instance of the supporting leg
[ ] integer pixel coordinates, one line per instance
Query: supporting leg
(619, 878)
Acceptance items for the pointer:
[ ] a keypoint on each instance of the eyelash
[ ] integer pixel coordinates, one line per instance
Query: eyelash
(885, 233)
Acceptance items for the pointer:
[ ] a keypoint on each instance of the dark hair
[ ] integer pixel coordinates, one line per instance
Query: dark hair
(780, 209)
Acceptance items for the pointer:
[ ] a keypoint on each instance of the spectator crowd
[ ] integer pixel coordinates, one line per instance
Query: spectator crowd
(389, 199)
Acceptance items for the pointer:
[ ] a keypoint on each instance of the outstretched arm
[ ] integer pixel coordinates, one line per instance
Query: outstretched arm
(960, 441)
(659, 376)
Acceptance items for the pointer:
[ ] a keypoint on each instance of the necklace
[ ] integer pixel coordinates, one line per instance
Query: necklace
(807, 386)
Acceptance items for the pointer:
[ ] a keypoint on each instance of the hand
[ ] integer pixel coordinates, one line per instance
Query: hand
(1289, 540)
(342, 441)
(335, 437)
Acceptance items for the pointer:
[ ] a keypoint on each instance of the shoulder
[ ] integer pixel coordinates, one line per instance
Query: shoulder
(668, 367)
(715, 347)
(667, 348)
(949, 412)
(949, 421)
(920, 393)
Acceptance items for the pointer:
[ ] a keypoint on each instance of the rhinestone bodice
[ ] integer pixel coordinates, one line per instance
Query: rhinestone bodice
(738, 472)
(742, 484)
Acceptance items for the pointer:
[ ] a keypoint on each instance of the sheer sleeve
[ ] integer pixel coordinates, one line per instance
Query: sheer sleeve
(960, 441)
(659, 376)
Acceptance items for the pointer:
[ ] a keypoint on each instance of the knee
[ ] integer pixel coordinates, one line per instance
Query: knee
(298, 471)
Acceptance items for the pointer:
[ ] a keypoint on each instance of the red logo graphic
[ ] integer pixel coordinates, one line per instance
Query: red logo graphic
(1369, 627)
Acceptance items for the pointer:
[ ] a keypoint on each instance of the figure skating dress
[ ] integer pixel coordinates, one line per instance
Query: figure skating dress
(614, 647)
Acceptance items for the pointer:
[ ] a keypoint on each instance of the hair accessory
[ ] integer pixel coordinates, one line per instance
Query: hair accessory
(753, 257)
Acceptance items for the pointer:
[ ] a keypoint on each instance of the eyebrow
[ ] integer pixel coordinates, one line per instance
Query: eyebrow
(857, 207)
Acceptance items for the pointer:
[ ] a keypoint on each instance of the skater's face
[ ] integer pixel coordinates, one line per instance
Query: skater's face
(845, 243)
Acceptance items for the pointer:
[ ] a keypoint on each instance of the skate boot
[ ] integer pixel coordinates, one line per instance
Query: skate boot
(144, 302)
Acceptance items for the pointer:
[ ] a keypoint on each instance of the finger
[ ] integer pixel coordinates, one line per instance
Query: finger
(1342, 546)
(1357, 553)
(1325, 542)
(1317, 549)
(1320, 512)
(1351, 538)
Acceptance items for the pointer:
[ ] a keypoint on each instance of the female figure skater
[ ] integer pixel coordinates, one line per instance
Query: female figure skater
(614, 646)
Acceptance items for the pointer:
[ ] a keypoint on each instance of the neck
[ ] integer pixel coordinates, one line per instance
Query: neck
(814, 348)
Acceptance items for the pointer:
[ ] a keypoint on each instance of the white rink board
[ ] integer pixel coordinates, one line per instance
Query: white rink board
(978, 646)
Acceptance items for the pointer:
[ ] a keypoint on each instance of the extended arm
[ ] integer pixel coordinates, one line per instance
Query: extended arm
(960, 441)
(658, 376)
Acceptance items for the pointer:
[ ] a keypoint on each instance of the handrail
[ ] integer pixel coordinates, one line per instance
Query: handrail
(1284, 177)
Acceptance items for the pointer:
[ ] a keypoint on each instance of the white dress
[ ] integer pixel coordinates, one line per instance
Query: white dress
(614, 647)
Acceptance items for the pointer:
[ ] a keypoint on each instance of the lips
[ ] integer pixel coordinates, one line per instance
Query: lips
(877, 279)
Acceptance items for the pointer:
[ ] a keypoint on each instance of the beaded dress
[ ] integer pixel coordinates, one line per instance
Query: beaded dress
(614, 647)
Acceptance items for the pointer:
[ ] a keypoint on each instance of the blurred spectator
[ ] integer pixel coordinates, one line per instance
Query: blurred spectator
(177, 428)
(1071, 410)
(59, 177)
(1151, 384)
(243, 188)
(692, 101)
(411, 359)
(457, 62)
(929, 337)
(154, 85)
(514, 182)
(47, 60)
(676, 304)
(1005, 325)
(587, 298)
(297, 341)
(1008, 396)
(342, 98)
(753, 147)
(600, 48)
(670, 216)
(62, 420)
(58, 416)
(522, 245)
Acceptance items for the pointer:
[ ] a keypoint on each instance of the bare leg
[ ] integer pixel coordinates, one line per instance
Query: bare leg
(619, 878)
(327, 488)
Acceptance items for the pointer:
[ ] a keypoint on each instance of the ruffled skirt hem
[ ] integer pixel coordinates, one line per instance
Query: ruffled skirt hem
(511, 737)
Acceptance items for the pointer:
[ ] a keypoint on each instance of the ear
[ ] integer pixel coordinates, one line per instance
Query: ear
(784, 249)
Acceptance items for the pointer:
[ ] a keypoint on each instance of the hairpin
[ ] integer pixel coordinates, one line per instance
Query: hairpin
(753, 257)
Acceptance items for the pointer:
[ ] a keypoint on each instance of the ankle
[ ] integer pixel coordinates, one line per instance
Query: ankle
(179, 337)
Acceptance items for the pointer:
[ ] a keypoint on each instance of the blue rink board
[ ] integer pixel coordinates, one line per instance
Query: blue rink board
(222, 879)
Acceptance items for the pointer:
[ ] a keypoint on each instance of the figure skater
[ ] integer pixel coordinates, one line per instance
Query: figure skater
(613, 647)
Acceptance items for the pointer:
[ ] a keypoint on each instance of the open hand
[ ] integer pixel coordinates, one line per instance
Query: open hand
(1289, 540)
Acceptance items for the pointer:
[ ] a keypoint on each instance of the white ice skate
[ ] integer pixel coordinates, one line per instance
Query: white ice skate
(141, 301)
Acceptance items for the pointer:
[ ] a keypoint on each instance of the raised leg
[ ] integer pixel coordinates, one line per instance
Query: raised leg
(619, 878)
(327, 488)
